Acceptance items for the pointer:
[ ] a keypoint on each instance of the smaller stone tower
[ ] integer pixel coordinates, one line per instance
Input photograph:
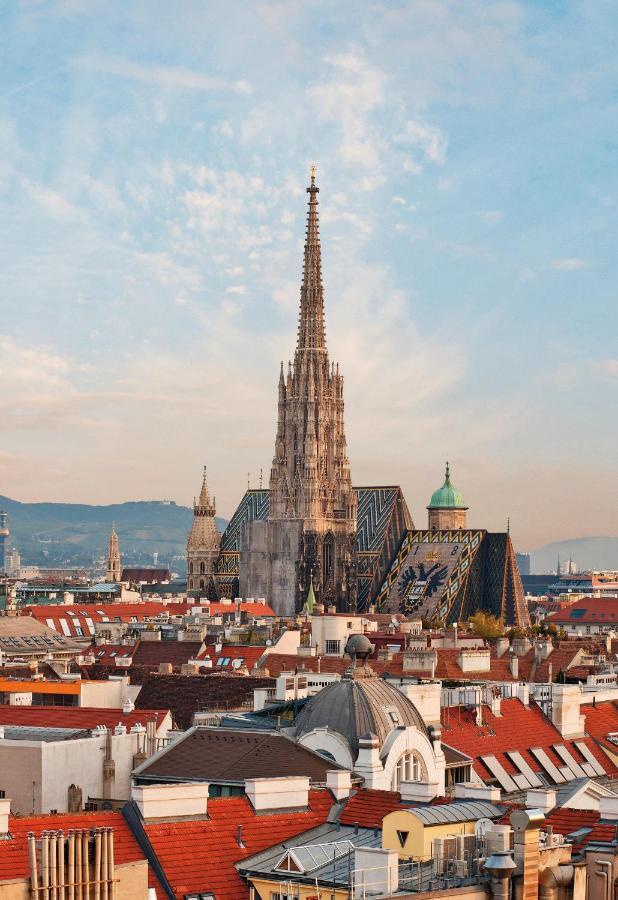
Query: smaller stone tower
(447, 508)
(203, 544)
(113, 557)
(4, 533)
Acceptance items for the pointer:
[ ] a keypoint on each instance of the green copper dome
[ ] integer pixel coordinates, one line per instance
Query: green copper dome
(447, 497)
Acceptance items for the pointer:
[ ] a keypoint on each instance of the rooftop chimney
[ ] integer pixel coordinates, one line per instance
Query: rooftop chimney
(161, 801)
(286, 792)
(5, 809)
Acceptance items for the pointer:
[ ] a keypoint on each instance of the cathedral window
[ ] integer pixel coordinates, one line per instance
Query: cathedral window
(202, 569)
(190, 568)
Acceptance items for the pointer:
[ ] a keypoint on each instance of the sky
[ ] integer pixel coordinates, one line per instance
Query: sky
(153, 164)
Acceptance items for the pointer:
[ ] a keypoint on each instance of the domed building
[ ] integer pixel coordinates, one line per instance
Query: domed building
(367, 725)
(447, 508)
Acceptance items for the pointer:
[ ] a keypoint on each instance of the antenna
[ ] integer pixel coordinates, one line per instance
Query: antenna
(261, 478)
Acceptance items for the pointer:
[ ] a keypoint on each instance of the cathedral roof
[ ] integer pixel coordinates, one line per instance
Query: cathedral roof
(359, 704)
(447, 497)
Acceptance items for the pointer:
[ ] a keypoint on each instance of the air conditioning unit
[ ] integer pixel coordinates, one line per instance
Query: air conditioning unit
(458, 868)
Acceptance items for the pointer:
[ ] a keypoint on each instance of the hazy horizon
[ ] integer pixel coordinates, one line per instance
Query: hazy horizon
(151, 248)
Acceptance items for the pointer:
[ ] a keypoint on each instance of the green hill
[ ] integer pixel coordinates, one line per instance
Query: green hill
(75, 534)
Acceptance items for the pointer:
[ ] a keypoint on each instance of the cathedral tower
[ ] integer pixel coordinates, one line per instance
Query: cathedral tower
(447, 508)
(312, 504)
(113, 557)
(203, 544)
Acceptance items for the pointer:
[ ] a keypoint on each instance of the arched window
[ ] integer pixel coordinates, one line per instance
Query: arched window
(190, 568)
(409, 768)
(201, 584)
(202, 568)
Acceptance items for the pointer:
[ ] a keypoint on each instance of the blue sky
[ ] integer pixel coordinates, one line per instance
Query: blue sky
(153, 159)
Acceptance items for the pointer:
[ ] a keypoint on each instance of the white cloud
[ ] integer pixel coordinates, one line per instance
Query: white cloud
(236, 289)
(51, 201)
(429, 139)
(350, 94)
(569, 264)
(165, 76)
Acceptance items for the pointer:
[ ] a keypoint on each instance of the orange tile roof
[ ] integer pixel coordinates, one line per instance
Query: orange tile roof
(14, 856)
(76, 716)
(601, 720)
(200, 856)
(367, 807)
(597, 610)
(518, 728)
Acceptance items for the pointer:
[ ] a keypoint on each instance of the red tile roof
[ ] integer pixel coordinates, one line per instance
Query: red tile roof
(367, 807)
(588, 610)
(601, 720)
(235, 653)
(200, 856)
(108, 654)
(14, 856)
(518, 728)
(568, 821)
(76, 716)
(252, 609)
(68, 618)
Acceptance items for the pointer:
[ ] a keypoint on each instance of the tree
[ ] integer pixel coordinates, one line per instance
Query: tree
(485, 625)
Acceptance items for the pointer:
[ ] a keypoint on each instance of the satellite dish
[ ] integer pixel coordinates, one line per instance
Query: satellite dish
(482, 827)
(269, 643)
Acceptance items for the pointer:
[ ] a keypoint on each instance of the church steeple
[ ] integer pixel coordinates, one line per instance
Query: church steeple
(113, 557)
(312, 504)
(311, 332)
(203, 544)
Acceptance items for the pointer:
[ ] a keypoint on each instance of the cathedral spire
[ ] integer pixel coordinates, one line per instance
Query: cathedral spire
(311, 334)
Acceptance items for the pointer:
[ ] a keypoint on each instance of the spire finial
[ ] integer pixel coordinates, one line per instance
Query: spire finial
(262, 474)
(508, 524)
(314, 173)
(448, 471)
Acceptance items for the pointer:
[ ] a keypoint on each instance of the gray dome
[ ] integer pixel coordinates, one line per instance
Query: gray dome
(356, 706)
(359, 645)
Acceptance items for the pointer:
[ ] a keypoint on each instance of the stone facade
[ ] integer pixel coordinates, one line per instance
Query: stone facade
(203, 545)
(113, 557)
(446, 519)
(311, 529)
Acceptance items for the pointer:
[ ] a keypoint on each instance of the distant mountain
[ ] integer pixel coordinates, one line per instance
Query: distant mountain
(75, 534)
(587, 553)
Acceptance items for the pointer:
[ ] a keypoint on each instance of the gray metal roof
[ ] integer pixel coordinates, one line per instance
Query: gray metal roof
(464, 811)
(322, 852)
(357, 706)
(41, 733)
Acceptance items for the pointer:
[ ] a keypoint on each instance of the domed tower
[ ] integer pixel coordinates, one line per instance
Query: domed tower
(113, 557)
(447, 508)
(203, 543)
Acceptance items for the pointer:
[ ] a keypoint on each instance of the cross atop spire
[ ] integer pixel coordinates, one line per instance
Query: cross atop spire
(311, 333)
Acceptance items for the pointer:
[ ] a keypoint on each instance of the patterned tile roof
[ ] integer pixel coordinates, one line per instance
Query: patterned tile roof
(200, 856)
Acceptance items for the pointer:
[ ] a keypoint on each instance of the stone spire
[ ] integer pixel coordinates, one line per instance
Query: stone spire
(311, 334)
(310, 481)
(203, 544)
(113, 557)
